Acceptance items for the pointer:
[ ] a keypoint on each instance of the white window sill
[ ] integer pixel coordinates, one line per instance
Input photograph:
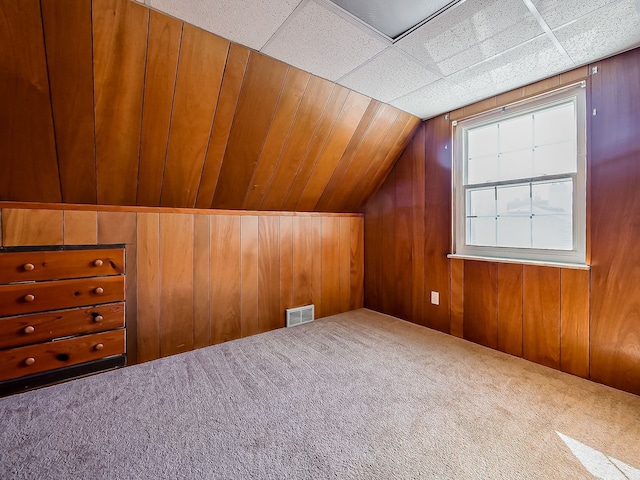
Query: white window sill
(575, 266)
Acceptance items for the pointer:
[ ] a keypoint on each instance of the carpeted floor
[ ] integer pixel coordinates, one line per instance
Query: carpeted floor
(355, 396)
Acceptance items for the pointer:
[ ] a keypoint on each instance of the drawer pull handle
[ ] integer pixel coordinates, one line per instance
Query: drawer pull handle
(28, 267)
(98, 318)
(99, 346)
(29, 298)
(99, 290)
(98, 263)
(30, 361)
(29, 329)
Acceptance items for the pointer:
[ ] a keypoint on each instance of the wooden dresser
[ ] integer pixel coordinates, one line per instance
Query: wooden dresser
(62, 314)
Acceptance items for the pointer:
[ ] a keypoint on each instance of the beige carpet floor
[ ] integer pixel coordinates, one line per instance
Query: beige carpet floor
(355, 396)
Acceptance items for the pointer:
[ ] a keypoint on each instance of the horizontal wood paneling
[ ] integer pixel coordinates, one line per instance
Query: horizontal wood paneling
(144, 109)
(198, 279)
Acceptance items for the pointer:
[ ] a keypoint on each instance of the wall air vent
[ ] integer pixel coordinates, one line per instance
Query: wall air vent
(300, 315)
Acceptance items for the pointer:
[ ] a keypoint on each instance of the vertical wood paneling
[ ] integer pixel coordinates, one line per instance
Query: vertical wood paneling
(316, 144)
(262, 86)
(345, 264)
(165, 34)
(202, 60)
(302, 261)
(402, 228)
(316, 266)
(357, 264)
(237, 61)
(67, 27)
(330, 265)
(304, 127)
(457, 298)
(286, 264)
(27, 144)
(510, 309)
(148, 268)
(481, 303)
(279, 131)
(541, 315)
(198, 279)
(438, 220)
(225, 278)
(80, 228)
(387, 154)
(574, 322)
(176, 283)
(387, 290)
(346, 126)
(117, 227)
(373, 234)
(201, 284)
(32, 227)
(269, 315)
(331, 189)
(366, 160)
(615, 175)
(249, 324)
(131, 294)
(120, 31)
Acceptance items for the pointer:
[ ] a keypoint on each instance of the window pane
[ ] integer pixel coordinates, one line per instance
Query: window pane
(516, 134)
(482, 170)
(514, 231)
(555, 125)
(481, 231)
(482, 141)
(552, 232)
(552, 198)
(517, 164)
(514, 200)
(482, 202)
(554, 159)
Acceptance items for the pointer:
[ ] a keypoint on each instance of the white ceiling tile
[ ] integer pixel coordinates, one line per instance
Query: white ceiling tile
(388, 76)
(318, 40)
(439, 97)
(602, 33)
(249, 22)
(527, 63)
(470, 33)
(556, 13)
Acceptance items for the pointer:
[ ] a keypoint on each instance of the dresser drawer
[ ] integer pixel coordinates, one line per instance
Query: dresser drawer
(38, 297)
(53, 265)
(21, 361)
(42, 327)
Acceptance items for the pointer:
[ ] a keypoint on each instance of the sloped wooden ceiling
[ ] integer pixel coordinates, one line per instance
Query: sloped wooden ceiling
(108, 102)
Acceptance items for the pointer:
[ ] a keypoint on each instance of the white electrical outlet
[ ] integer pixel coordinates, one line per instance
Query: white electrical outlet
(435, 298)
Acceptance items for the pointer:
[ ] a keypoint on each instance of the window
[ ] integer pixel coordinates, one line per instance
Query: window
(519, 181)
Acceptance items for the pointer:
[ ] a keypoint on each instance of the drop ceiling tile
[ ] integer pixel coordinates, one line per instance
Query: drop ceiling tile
(388, 76)
(557, 13)
(470, 33)
(231, 18)
(319, 41)
(439, 97)
(527, 63)
(602, 33)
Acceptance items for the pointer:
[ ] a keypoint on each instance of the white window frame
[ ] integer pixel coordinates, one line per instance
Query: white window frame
(577, 256)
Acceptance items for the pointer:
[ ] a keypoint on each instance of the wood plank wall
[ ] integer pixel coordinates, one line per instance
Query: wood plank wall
(107, 102)
(198, 279)
(586, 323)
